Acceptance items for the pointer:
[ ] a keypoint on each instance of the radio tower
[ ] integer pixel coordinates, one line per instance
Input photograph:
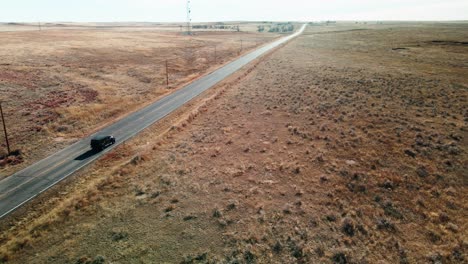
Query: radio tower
(189, 20)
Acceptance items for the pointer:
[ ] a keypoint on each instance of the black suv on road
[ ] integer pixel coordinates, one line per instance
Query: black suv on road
(101, 142)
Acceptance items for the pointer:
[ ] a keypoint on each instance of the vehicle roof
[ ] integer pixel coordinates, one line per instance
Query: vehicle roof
(99, 137)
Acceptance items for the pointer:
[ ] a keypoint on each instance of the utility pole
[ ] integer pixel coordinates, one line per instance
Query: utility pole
(5, 130)
(39, 24)
(215, 57)
(241, 46)
(167, 74)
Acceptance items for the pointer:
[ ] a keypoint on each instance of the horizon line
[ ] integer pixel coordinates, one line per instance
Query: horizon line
(244, 21)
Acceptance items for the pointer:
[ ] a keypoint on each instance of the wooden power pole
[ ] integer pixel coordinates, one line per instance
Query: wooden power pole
(5, 130)
(167, 74)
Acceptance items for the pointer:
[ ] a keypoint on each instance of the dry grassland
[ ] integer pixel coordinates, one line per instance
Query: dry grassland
(59, 85)
(345, 146)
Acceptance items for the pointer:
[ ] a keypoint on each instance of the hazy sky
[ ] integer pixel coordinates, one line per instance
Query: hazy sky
(225, 10)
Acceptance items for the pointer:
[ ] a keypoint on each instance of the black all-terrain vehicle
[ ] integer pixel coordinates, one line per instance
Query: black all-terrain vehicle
(99, 143)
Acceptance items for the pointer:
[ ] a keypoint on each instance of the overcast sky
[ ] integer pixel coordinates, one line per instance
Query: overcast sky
(230, 10)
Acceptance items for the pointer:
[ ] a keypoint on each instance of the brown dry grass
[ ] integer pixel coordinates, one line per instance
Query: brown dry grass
(59, 85)
(335, 149)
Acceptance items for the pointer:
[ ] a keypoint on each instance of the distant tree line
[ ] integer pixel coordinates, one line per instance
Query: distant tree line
(217, 26)
(277, 28)
(322, 23)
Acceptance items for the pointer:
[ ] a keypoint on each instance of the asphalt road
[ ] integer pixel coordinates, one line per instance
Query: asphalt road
(24, 185)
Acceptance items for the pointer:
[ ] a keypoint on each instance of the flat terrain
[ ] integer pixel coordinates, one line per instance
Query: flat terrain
(20, 187)
(348, 145)
(62, 83)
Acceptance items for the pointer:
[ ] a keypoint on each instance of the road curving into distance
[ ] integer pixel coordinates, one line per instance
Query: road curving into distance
(28, 183)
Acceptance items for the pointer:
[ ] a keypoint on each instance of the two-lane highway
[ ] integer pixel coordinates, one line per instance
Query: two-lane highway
(24, 185)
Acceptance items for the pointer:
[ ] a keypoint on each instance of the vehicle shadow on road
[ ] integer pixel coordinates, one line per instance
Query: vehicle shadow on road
(87, 154)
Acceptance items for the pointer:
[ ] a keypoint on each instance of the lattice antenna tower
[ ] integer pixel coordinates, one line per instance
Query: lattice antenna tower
(189, 19)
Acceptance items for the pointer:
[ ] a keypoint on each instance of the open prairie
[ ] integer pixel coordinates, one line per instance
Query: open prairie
(347, 145)
(65, 81)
